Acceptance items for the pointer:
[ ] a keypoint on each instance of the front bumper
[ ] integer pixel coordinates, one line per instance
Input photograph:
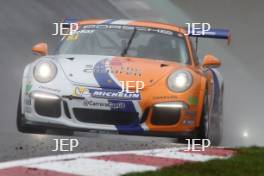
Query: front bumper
(75, 113)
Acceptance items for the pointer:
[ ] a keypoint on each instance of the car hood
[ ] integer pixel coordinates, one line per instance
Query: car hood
(108, 71)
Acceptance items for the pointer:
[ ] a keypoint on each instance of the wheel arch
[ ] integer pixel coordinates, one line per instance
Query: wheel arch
(25, 80)
(203, 90)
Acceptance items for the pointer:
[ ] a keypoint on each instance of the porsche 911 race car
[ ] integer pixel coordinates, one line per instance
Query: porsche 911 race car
(80, 87)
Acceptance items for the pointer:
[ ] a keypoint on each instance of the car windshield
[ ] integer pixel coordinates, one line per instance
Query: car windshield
(129, 41)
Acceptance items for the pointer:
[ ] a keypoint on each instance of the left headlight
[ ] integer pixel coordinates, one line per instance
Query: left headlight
(180, 81)
(45, 71)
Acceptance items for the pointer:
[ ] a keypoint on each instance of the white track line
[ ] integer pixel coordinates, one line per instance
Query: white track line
(85, 166)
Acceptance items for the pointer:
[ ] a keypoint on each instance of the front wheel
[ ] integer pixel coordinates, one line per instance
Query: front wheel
(21, 122)
(211, 124)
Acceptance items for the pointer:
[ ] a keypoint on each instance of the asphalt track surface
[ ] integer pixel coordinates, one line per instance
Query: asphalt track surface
(22, 24)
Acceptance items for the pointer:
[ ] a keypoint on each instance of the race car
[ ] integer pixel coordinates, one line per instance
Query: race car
(124, 76)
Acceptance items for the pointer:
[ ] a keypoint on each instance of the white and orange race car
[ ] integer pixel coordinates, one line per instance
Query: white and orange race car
(80, 86)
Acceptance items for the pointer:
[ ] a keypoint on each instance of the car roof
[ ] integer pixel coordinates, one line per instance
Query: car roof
(135, 23)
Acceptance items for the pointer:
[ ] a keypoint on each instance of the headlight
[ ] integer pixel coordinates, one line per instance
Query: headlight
(180, 81)
(45, 71)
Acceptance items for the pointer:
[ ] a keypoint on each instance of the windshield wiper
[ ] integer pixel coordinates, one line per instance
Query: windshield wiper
(124, 52)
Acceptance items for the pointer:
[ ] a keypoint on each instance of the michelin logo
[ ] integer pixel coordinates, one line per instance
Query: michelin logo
(114, 95)
(106, 94)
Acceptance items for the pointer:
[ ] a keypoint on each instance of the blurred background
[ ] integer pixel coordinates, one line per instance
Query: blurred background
(24, 23)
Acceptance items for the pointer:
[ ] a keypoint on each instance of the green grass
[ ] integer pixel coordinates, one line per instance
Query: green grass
(247, 162)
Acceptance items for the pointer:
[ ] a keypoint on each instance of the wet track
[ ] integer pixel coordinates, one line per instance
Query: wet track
(26, 22)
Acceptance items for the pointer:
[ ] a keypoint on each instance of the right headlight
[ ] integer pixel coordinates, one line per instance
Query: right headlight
(45, 71)
(180, 81)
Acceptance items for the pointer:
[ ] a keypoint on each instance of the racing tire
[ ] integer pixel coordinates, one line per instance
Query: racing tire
(217, 122)
(204, 124)
(21, 122)
(211, 124)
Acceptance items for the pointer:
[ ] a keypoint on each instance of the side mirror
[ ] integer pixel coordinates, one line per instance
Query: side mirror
(211, 61)
(40, 48)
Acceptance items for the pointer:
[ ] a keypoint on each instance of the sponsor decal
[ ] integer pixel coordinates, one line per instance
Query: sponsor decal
(81, 91)
(28, 87)
(164, 97)
(27, 101)
(88, 68)
(188, 122)
(94, 69)
(116, 63)
(84, 31)
(90, 103)
(117, 69)
(114, 94)
(190, 113)
(50, 89)
(28, 109)
(105, 94)
(193, 100)
(128, 70)
(128, 28)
